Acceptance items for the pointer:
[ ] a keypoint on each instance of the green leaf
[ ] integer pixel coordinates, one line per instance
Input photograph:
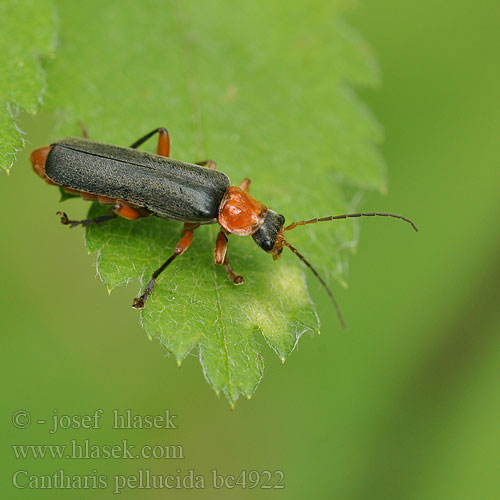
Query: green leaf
(27, 36)
(65, 195)
(260, 87)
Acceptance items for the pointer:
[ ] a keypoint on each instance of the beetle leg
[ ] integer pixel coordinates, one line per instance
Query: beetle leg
(163, 141)
(220, 258)
(220, 248)
(237, 279)
(245, 184)
(207, 163)
(126, 211)
(96, 220)
(83, 129)
(181, 247)
(119, 208)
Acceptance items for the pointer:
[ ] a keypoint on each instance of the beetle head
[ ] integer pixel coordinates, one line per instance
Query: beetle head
(240, 213)
(269, 236)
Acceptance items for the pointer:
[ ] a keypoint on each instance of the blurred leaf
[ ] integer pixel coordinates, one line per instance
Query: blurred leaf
(27, 35)
(260, 87)
(65, 195)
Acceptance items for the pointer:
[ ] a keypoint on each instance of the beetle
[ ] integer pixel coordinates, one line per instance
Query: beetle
(139, 184)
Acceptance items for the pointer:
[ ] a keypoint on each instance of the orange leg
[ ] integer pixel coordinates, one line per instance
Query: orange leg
(105, 200)
(89, 196)
(220, 248)
(207, 163)
(245, 184)
(181, 247)
(127, 212)
(163, 141)
(220, 258)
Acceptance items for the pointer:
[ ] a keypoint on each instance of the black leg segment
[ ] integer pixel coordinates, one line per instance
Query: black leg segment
(181, 247)
(86, 222)
(142, 140)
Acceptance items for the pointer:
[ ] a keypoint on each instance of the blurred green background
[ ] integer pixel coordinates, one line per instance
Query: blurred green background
(403, 405)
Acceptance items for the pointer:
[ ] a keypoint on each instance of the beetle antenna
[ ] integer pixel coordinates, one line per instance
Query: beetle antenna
(321, 280)
(345, 216)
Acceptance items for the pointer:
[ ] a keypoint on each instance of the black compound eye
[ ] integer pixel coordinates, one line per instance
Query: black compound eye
(267, 245)
(265, 237)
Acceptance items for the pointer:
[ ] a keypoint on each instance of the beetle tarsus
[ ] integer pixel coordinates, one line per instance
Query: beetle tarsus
(67, 222)
(233, 277)
(180, 248)
(140, 302)
(73, 223)
(64, 217)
